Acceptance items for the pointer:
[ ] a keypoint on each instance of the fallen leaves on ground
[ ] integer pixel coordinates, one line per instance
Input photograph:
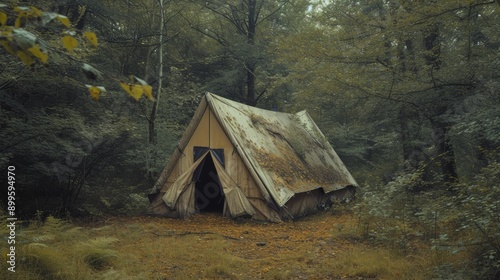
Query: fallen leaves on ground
(208, 246)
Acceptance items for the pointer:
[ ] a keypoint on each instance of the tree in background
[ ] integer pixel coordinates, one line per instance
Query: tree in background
(423, 60)
(243, 30)
(59, 139)
(407, 91)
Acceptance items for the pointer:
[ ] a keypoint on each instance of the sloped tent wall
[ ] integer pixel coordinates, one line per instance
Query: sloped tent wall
(312, 201)
(176, 197)
(305, 203)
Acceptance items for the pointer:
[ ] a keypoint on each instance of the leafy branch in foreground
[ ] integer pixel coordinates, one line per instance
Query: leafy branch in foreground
(31, 49)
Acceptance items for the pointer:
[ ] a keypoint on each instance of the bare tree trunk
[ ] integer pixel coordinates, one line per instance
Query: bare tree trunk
(154, 111)
(445, 152)
(406, 138)
(251, 85)
(444, 148)
(250, 65)
(433, 47)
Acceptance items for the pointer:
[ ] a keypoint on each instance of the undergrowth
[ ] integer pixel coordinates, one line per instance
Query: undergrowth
(55, 249)
(458, 226)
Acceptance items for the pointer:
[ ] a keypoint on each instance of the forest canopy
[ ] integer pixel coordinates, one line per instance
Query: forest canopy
(407, 92)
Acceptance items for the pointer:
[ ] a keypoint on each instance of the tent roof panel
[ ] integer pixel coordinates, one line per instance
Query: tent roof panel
(287, 152)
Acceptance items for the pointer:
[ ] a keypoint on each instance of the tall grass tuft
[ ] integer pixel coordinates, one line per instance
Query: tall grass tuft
(219, 271)
(96, 253)
(370, 263)
(43, 262)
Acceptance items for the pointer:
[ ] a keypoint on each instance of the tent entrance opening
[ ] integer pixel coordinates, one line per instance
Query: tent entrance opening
(209, 196)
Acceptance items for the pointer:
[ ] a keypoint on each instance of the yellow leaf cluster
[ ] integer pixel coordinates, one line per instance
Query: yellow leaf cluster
(137, 90)
(148, 91)
(95, 91)
(3, 18)
(91, 37)
(25, 57)
(39, 54)
(20, 20)
(23, 44)
(133, 90)
(35, 11)
(69, 42)
(8, 47)
(64, 20)
(26, 13)
(26, 46)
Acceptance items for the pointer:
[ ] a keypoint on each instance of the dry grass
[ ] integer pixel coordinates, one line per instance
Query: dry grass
(363, 262)
(322, 246)
(95, 252)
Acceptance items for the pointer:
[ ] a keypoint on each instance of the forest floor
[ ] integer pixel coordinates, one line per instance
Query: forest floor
(321, 246)
(208, 246)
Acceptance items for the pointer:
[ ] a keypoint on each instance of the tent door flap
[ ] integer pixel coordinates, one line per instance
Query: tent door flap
(209, 195)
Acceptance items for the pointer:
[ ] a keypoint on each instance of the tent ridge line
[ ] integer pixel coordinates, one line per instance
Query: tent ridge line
(180, 151)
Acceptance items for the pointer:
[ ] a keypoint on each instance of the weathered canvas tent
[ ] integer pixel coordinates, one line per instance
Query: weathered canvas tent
(246, 161)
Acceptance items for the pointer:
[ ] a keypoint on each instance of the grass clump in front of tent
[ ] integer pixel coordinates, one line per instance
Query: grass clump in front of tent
(95, 252)
(220, 263)
(55, 249)
(42, 262)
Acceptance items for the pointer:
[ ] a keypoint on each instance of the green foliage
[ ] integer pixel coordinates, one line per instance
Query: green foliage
(367, 66)
(462, 221)
(115, 198)
(57, 140)
(242, 65)
(479, 215)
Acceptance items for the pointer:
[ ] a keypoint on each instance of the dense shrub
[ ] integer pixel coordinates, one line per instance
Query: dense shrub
(462, 220)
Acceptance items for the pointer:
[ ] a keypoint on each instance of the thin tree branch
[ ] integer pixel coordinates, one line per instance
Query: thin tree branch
(19, 142)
